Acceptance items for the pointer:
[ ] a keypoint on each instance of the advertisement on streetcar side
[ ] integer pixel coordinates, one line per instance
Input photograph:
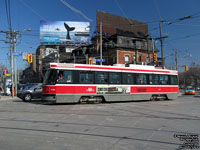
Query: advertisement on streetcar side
(113, 90)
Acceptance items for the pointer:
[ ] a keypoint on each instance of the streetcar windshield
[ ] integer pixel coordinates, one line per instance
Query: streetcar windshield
(50, 77)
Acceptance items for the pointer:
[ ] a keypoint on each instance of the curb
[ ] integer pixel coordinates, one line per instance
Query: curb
(6, 98)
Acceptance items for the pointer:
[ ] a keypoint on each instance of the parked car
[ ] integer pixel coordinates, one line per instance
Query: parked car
(197, 88)
(190, 91)
(30, 92)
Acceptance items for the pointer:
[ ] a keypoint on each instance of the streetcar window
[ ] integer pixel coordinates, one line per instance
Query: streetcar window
(127, 78)
(114, 78)
(164, 79)
(153, 79)
(64, 76)
(141, 79)
(86, 77)
(173, 80)
(101, 77)
(50, 77)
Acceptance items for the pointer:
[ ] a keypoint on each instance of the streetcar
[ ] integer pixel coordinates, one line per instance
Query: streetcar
(82, 83)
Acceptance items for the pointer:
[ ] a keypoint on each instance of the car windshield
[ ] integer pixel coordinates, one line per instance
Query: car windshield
(189, 89)
(28, 87)
(35, 86)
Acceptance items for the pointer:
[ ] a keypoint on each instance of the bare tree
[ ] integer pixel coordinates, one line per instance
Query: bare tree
(190, 77)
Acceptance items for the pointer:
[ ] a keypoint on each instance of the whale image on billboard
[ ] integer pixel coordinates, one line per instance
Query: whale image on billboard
(64, 32)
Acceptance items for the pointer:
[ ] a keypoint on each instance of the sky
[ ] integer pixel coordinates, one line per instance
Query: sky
(183, 35)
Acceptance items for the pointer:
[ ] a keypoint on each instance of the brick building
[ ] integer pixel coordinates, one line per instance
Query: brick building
(124, 41)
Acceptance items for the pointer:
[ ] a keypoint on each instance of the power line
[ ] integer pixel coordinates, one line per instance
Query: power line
(122, 11)
(76, 10)
(34, 11)
(169, 22)
(7, 4)
(187, 36)
(155, 2)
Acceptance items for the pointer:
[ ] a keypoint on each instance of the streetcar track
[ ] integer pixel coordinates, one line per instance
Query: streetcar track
(94, 125)
(90, 134)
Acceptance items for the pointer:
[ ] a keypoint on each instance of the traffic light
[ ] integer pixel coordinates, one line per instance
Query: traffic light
(4, 72)
(90, 61)
(29, 58)
(186, 67)
(155, 58)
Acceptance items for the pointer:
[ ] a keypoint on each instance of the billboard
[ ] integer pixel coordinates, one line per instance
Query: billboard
(64, 32)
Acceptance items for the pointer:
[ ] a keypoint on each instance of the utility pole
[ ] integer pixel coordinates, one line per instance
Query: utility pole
(176, 59)
(9, 35)
(15, 62)
(58, 54)
(101, 43)
(12, 36)
(11, 61)
(161, 43)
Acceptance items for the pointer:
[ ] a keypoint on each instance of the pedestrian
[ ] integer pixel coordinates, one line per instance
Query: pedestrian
(0, 91)
(11, 90)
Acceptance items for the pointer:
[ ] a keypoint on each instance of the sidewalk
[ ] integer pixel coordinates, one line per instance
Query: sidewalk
(5, 98)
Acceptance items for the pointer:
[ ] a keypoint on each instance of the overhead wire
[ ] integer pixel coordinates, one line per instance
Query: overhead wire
(75, 10)
(122, 11)
(33, 10)
(173, 21)
(187, 36)
(156, 5)
(7, 4)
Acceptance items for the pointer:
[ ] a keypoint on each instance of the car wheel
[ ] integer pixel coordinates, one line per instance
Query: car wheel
(27, 97)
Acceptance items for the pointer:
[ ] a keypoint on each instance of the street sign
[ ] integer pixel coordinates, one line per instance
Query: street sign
(100, 60)
(15, 54)
(8, 74)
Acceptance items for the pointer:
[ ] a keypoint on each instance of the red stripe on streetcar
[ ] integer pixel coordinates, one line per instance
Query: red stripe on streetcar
(154, 89)
(92, 89)
(53, 66)
(69, 89)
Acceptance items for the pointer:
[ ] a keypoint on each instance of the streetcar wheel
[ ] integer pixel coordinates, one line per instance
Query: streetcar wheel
(27, 97)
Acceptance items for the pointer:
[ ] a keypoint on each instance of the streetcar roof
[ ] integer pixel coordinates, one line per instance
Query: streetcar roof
(115, 68)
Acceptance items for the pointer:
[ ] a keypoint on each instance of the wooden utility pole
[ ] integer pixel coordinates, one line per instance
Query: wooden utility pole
(161, 43)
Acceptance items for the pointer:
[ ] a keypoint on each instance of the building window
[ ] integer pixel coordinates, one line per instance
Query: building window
(126, 58)
(134, 59)
(114, 59)
(138, 44)
(140, 58)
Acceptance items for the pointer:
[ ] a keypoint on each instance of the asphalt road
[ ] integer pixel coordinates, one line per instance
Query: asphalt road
(150, 125)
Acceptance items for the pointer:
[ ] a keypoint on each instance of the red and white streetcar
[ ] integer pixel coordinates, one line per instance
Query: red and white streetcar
(74, 83)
